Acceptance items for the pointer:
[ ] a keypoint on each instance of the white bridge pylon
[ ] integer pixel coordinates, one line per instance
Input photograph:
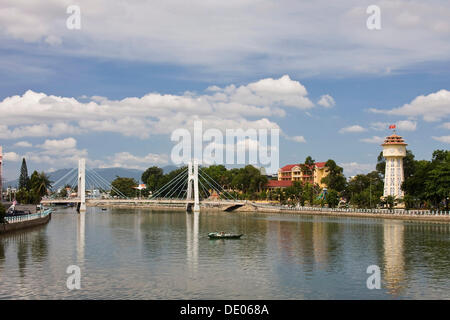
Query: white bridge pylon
(82, 184)
(192, 186)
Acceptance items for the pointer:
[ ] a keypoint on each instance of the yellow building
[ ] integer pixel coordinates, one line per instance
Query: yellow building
(298, 172)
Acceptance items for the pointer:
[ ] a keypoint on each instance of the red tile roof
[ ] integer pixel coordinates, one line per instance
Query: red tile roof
(279, 184)
(288, 167)
(394, 139)
(320, 164)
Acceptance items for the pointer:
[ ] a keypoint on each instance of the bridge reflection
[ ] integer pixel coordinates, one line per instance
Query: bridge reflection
(192, 229)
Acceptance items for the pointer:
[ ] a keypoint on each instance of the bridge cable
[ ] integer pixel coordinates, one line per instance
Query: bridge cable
(158, 192)
(176, 185)
(204, 172)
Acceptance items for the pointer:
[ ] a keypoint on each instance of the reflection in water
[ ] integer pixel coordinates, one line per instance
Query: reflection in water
(80, 236)
(320, 244)
(144, 254)
(394, 262)
(192, 242)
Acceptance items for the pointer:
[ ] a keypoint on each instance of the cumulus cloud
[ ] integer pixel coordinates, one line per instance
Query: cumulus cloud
(374, 139)
(142, 30)
(354, 128)
(403, 125)
(354, 168)
(42, 115)
(68, 143)
(23, 144)
(326, 101)
(128, 160)
(299, 139)
(11, 156)
(446, 125)
(406, 125)
(432, 107)
(444, 139)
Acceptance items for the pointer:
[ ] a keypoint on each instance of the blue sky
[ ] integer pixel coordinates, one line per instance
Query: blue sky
(114, 90)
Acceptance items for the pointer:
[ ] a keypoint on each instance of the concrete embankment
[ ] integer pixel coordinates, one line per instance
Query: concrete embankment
(252, 209)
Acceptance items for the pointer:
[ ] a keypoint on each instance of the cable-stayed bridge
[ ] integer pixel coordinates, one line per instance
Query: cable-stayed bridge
(191, 188)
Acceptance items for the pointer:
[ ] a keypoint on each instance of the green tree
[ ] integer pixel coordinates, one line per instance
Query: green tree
(381, 164)
(151, 178)
(24, 180)
(248, 179)
(294, 192)
(63, 193)
(125, 186)
(364, 190)
(389, 201)
(40, 183)
(23, 196)
(308, 167)
(335, 178)
(437, 186)
(332, 198)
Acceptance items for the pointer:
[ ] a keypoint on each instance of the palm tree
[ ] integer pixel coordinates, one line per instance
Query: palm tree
(40, 182)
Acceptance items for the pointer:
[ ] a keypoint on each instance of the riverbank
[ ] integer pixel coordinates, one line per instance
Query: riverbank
(252, 209)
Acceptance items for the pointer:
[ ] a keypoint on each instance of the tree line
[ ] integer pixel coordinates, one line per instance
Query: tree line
(32, 188)
(426, 184)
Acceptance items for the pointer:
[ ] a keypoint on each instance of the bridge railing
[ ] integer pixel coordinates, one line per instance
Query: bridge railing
(28, 217)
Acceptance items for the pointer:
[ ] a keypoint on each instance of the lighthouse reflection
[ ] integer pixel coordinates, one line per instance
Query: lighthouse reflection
(192, 224)
(394, 262)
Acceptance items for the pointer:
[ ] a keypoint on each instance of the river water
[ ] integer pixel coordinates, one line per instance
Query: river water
(144, 254)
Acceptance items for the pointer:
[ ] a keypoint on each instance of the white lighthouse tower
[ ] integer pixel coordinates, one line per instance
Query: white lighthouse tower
(394, 150)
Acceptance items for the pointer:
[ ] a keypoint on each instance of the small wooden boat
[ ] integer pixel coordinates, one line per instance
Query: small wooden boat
(223, 235)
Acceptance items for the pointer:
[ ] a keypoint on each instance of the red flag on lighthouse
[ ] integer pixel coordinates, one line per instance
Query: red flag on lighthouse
(392, 126)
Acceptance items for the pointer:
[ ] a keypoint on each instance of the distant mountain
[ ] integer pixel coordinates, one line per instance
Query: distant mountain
(109, 174)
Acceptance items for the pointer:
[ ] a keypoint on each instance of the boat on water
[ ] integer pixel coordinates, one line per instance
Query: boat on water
(224, 235)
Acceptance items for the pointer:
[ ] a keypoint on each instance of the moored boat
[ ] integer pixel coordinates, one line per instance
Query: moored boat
(224, 235)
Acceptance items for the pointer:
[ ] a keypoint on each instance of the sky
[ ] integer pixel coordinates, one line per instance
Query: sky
(113, 90)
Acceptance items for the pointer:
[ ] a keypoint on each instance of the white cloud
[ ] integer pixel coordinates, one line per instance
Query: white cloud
(11, 156)
(402, 125)
(374, 139)
(406, 125)
(446, 125)
(128, 160)
(299, 139)
(432, 107)
(68, 143)
(354, 168)
(354, 128)
(445, 139)
(42, 115)
(180, 33)
(379, 126)
(326, 101)
(23, 144)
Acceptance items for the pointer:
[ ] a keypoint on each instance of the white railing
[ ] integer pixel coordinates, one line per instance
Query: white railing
(356, 210)
(28, 217)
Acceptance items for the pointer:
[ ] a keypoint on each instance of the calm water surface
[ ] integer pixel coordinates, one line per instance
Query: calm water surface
(143, 254)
